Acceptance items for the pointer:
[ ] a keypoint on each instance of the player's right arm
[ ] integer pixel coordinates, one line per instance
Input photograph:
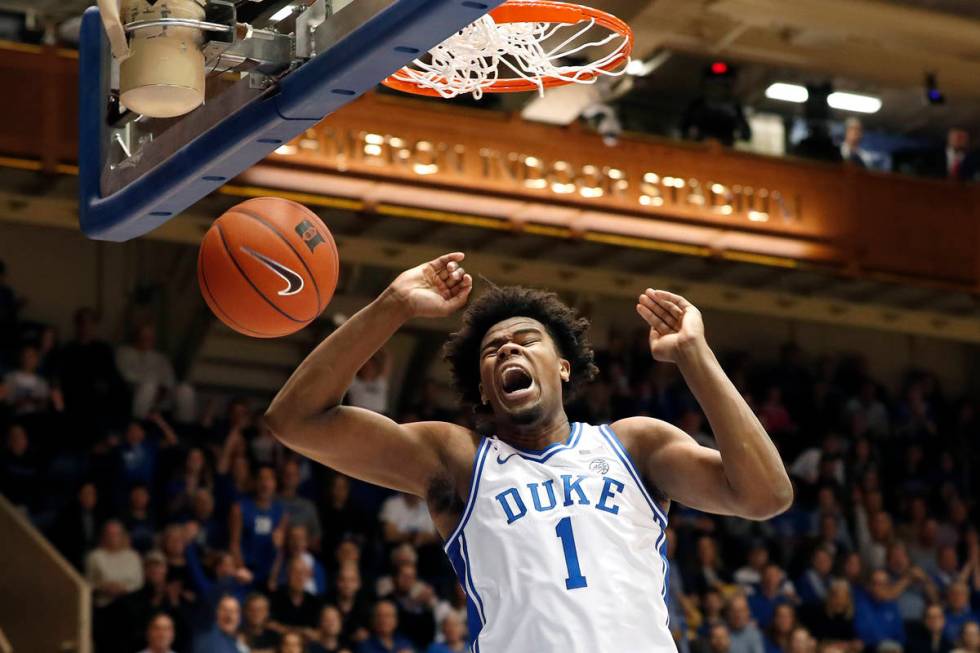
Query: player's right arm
(307, 416)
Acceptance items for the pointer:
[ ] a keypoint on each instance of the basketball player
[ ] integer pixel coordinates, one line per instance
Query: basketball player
(556, 530)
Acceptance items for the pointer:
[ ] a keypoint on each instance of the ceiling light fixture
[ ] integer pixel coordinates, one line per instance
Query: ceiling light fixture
(787, 92)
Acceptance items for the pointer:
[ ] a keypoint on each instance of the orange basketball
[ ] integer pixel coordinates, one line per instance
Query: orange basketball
(268, 267)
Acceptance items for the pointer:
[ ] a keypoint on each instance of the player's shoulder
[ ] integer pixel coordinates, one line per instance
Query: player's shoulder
(644, 434)
(446, 437)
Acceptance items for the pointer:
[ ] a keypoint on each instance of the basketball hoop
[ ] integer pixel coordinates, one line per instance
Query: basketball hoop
(513, 36)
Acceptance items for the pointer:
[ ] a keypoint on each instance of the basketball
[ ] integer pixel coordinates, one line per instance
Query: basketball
(268, 267)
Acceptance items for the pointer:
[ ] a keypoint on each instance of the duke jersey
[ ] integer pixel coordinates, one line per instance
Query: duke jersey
(562, 550)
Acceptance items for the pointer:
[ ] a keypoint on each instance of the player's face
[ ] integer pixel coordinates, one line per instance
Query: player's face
(521, 371)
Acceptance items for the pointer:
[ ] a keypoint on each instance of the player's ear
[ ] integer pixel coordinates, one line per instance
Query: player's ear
(565, 370)
(483, 397)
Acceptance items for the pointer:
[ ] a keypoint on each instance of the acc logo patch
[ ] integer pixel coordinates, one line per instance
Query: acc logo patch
(599, 466)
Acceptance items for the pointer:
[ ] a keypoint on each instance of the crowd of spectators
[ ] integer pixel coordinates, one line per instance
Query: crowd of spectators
(200, 533)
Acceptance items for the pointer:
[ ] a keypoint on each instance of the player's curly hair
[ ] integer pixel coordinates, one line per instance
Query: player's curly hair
(569, 332)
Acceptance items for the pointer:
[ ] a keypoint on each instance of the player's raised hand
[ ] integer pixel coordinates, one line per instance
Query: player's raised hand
(675, 324)
(434, 289)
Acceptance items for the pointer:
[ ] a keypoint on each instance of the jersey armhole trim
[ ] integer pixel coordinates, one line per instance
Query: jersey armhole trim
(478, 460)
(620, 450)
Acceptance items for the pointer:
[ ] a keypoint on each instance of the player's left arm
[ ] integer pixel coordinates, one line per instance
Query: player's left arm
(746, 477)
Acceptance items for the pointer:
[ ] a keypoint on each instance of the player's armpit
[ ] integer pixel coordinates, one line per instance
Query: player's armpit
(373, 448)
(681, 469)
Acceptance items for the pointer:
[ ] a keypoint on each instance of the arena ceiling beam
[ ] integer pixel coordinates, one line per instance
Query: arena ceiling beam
(865, 40)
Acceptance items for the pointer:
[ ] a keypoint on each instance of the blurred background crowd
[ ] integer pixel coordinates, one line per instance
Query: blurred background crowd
(199, 532)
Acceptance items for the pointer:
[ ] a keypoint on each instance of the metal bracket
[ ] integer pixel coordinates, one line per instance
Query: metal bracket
(306, 24)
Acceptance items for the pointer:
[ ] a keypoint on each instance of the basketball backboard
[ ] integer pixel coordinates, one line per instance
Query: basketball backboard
(269, 79)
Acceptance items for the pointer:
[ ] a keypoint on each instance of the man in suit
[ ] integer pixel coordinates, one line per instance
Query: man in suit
(850, 149)
(955, 162)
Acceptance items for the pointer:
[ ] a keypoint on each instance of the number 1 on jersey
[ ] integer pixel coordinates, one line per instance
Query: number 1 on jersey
(575, 578)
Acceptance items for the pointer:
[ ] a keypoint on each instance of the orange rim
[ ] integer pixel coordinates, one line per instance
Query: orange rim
(538, 11)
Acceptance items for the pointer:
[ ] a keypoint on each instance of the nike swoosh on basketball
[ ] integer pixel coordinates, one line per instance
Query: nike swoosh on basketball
(293, 280)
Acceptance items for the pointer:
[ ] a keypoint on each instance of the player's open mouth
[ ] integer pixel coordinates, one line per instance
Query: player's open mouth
(515, 382)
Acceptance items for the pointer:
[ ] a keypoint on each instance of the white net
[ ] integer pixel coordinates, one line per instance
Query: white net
(471, 60)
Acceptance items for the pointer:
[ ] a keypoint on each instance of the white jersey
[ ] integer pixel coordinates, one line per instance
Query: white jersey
(562, 550)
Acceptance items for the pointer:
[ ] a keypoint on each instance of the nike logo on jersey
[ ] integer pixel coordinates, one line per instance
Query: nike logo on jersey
(294, 282)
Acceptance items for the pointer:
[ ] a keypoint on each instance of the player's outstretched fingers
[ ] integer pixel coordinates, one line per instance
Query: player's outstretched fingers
(460, 293)
(647, 300)
(674, 298)
(455, 276)
(653, 320)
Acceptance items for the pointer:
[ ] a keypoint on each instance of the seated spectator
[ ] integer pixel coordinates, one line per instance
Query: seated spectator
(415, 601)
(297, 547)
(343, 519)
(328, 637)
(28, 392)
(870, 409)
(958, 610)
(291, 642)
(456, 605)
(212, 534)
(264, 448)
(801, 642)
(149, 373)
(94, 393)
(712, 612)
(969, 641)
(709, 572)
(229, 579)
(257, 634)
(76, 529)
(159, 635)
(137, 456)
(780, 630)
(223, 635)
(912, 587)
(922, 547)
(719, 639)
(403, 554)
(772, 591)
(138, 519)
(877, 618)
(253, 521)
(352, 601)
(113, 568)
(853, 572)
(385, 637)
(874, 540)
(156, 597)
(947, 568)
(20, 470)
(369, 389)
(174, 546)
(833, 620)
(833, 536)
(750, 575)
(812, 586)
(299, 510)
(453, 637)
(193, 475)
(929, 636)
(292, 606)
(743, 633)
(404, 518)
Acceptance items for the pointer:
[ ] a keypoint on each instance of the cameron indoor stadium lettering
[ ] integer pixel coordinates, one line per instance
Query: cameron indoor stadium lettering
(448, 162)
